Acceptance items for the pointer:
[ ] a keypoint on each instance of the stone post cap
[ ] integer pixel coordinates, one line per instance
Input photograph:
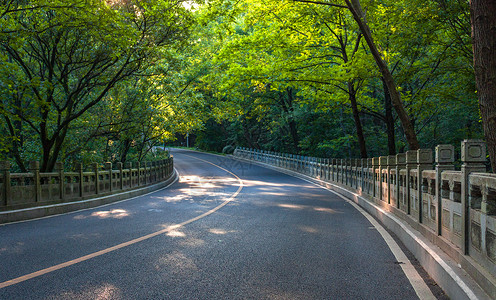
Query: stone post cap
(401, 158)
(473, 151)
(108, 166)
(391, 160)
(369, 162)
(411, 156)
(5, 165)
(59, 166)
(383, 161)
(445, 154)
(34, 165)
(424, 156)
(375, 161)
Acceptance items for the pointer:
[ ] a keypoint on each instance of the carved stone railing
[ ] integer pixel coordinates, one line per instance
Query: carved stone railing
(454, 209)
(23, 190)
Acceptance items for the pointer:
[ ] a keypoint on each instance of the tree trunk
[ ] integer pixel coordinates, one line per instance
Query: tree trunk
(411, 137)
(292, 123)
(389, 120)
(483, 18)
(358, 122)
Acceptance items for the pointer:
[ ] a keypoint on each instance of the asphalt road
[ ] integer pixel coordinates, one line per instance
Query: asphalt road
(225, 230)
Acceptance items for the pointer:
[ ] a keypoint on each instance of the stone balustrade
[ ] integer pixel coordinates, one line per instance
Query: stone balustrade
(455, 209)
(23, 190)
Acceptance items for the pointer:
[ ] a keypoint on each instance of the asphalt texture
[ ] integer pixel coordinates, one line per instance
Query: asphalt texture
(279, 238)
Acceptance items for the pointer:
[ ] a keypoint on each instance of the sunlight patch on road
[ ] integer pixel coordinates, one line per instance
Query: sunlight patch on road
(308, 207)
(220, 231)
(176, 233)
(177, 262)
(114, 214)
(308, 229)
(101, 292)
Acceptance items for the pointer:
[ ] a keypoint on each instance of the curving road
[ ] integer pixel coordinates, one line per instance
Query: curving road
(225, 230)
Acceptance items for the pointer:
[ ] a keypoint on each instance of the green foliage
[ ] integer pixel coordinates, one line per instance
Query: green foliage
(85, 81)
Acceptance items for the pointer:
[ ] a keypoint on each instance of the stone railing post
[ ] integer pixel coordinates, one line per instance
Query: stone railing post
(60, 169)
(368, 176)
(140, 177)
(121, 175)
(80, 169)
(424, 162)
(97, 178)
(34, 167)
(349, 166)
(411, 163)
(332, 169)
(321, 168)
(400, 164)
(391, 164)
(108, 168)
(343, 170)
(445, 156)
(473, 158)
(130, 178)
(363, 165)
(382, 178)
(375, 166)
(358, 164)
(327, 169)
(5, 169)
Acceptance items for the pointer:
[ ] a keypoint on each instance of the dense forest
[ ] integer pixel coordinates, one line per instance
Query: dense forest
(90, 80)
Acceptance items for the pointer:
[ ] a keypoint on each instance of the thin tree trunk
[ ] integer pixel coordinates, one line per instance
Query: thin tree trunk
(483, 18)
(358, 122)
(291, 122)
(389, 120)
(411, 137)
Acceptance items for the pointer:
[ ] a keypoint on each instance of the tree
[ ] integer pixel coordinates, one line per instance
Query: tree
(64, 58)
(483, 17)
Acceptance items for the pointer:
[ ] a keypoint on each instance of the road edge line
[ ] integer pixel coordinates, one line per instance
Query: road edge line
(454, 281)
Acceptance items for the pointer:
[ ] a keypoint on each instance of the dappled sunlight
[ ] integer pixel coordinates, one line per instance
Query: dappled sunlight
(292, 206)
(102, 292)
(177, 262)
(278, 294)
(325, 209)
(175, 233)
(307, 229)
(106, 214)
(220, 231)
(169, 227)
(191, 242)
(114, 214)
(252, 183)
(195, 186)
(308, 207)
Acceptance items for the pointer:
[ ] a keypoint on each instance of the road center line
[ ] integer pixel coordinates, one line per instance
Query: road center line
(131, 242)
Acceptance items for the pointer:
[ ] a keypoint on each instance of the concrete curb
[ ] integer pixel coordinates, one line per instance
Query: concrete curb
(62, 208)
(455, 281)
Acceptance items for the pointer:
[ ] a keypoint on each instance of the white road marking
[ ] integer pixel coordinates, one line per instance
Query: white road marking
(131, 242)
(418, 284)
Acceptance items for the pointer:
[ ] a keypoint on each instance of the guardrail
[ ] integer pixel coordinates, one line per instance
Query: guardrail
(24, 190)
(456, 210)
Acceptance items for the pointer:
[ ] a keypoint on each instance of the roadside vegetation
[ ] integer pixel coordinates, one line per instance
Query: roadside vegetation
(84, 81)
